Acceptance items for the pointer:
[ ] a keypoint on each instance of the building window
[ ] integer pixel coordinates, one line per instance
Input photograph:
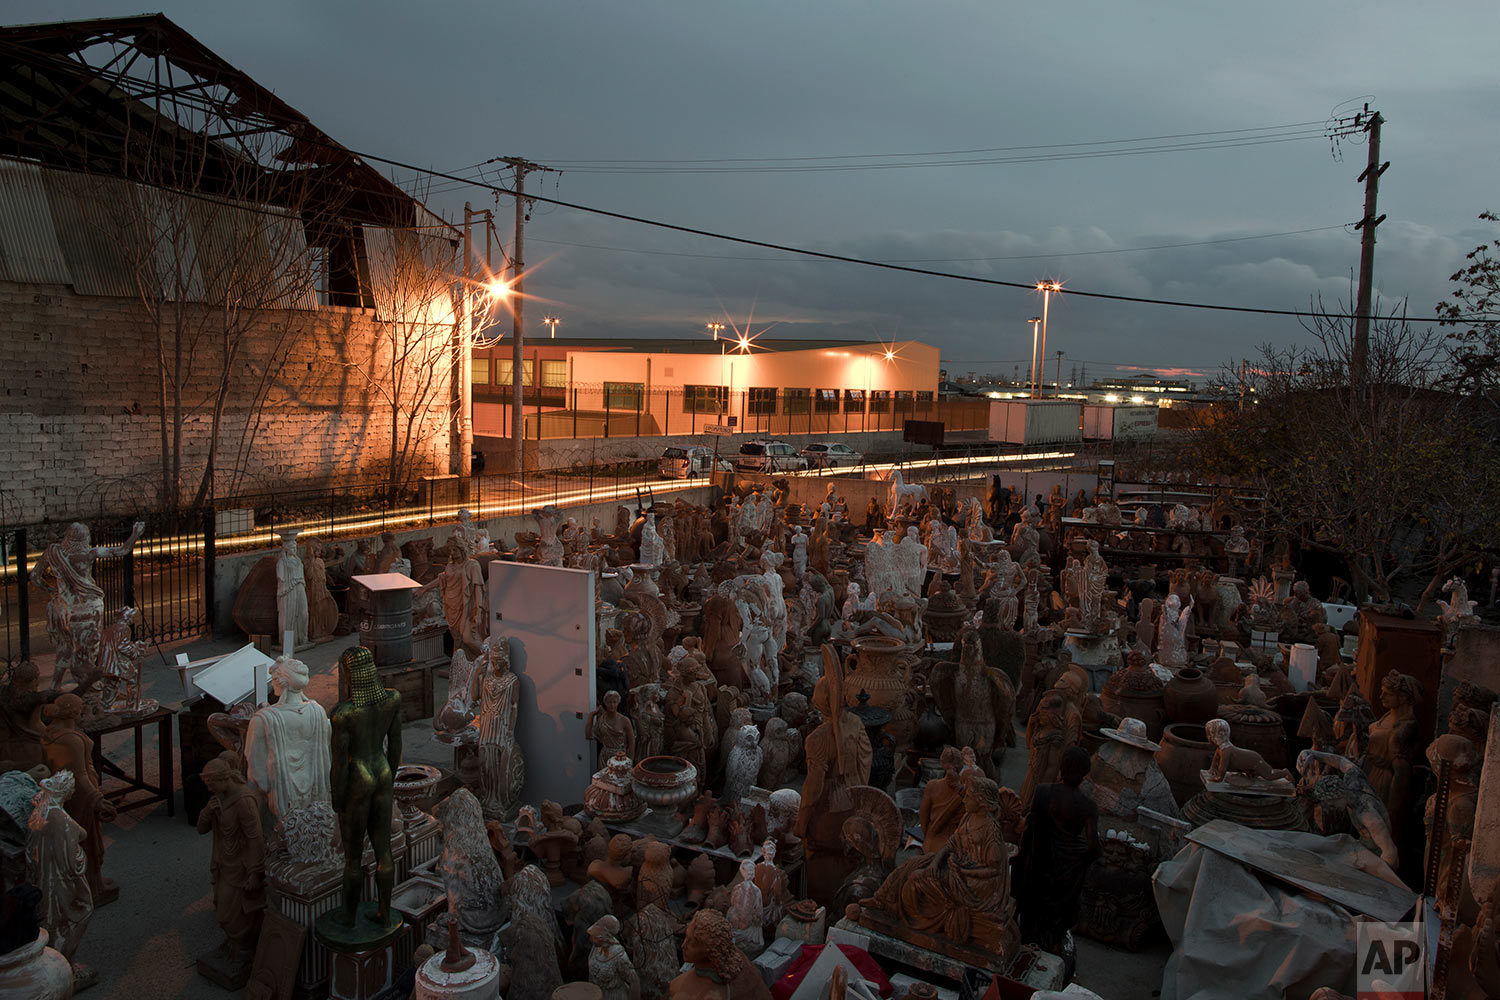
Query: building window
(924, 395)
(503, 372)
(880, 401)
(554, 374)
(854, 401)
(705, 399)
(903, 401)
(826, 401)
(481, 371)
(794, 401)
(623, 395)
(762, 402)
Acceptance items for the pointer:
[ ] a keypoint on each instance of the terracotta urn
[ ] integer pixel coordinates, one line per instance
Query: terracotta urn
(610, 589)
(881, 666)
(611, 796)
(36, 972)
(1184, 752)
(1258, 729)
(664, 782)
(1136, 693)
(944, 617)
(1191, 697)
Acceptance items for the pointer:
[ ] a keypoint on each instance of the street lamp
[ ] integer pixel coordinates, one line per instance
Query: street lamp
(1046, 288)
(552, 322)
(715, 328)
(1035, 322)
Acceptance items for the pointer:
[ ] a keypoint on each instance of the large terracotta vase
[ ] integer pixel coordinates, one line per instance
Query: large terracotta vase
(1191, 697)
(1184, 752)
(1136, 693)
(35, 972)
(1257, 729)
(882, 666)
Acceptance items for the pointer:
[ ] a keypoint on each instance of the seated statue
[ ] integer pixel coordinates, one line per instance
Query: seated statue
(961, 892)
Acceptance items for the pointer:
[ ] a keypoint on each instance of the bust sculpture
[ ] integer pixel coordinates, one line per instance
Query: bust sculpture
(366, 754)
(719, 970)
(287, 762)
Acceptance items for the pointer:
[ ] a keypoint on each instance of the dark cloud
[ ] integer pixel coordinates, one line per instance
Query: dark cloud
(448, 84)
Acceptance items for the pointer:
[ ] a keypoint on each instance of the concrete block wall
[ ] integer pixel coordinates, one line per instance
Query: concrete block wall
(80, 428)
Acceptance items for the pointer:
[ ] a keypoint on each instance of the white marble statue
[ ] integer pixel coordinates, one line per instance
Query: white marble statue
(799, 553)
(745, 911)
(57, 866)
(120, 662)
(775, 589)
(761, 662)
(904, 496)
(912, 558)
(75, 611)
(470, 538)
(450, 723)
(1092, 582)
(743, 765)
(942, 548)
(287, 760)
(1171, 635)
(651, 549)
(291, 590)
(1025, 540)
(502, 767)
(549, 550)
(882, 571)
(854, 603)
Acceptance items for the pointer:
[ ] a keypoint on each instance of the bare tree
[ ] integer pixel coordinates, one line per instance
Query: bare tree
(1390, 480)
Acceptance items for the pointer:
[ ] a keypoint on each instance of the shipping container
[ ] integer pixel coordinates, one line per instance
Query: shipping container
(1103, 423)
(1034, 421)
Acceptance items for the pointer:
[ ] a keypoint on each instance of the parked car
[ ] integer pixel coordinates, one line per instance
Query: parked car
(689, 463)
(831, 455)
(769, 456)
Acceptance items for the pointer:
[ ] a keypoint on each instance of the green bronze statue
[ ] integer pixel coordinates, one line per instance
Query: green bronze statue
(366, 753)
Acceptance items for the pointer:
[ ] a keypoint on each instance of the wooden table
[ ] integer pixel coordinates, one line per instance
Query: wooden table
(163, 790)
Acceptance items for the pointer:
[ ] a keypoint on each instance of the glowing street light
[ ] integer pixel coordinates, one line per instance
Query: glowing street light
(552, 322)
(715, 329)
(1046, 288)
(744, 343)
(499, 289)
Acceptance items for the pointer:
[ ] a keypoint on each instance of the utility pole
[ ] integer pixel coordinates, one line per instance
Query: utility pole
(463, 360)
(1360, 355)
(1059, 373)
(522, 167)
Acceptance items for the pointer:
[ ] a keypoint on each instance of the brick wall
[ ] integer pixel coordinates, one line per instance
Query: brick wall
(79, 415)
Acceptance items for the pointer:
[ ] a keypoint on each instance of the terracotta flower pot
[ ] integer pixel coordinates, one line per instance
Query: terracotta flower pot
(1191, 697)
(1184, 752)
(36, 972)
(664, 782)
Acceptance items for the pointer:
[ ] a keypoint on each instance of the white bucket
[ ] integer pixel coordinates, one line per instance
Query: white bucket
(1303, 670)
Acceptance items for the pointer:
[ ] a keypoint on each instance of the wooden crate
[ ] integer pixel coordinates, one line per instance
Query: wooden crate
(414, 682)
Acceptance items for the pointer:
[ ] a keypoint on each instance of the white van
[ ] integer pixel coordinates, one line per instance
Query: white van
(689, 463)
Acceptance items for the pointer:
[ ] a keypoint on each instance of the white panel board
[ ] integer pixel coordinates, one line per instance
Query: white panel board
(547, 612)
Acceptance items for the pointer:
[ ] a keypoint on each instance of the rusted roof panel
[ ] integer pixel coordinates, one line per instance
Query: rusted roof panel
(28, 240)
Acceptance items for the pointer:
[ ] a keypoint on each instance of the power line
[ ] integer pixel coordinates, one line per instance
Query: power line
(939, 260)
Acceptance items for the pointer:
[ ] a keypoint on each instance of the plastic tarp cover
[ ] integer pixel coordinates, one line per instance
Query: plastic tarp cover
(1240, 935)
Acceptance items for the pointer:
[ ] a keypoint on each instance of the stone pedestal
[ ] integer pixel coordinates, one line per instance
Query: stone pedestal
(480, 981)
(420, 900)
(424, 842)
(302, 893)
(361, 975)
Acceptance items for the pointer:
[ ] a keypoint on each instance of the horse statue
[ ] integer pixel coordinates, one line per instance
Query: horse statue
(914, 494)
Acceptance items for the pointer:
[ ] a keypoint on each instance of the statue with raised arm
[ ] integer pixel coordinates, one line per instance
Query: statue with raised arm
(75, 611)
(366, 754)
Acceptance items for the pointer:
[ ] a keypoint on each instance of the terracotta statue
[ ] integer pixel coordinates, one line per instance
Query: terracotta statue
(961, 892)
(238, 867)
(775, 754)
(942, 803)
(450, 722)
(978, 703)
(366, 754)
(465, 603)
(1046, 740)
(287, 763)
(719, 970)
(838, 756)
(1092, 584)
(1458, 822)
(610, 967)
(1393, 744)
(1171, 637)
(68, 748)
(654, 879)
(1060, 842)
(648, 718)
(1230, 759)
(721, 634)
(75, 611)
(468, 868)
(651, 941)
(322, 612)
(611, 729)
(614, 871)
(502, 766)
(56, 865)
(745, 912)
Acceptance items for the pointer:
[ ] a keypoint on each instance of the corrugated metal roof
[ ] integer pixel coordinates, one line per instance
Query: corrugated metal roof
(91, 215)
(28, 239)
(410, 274)
(165, 230)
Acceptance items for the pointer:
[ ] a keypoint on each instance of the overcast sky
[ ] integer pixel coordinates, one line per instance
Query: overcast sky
(449, 84)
